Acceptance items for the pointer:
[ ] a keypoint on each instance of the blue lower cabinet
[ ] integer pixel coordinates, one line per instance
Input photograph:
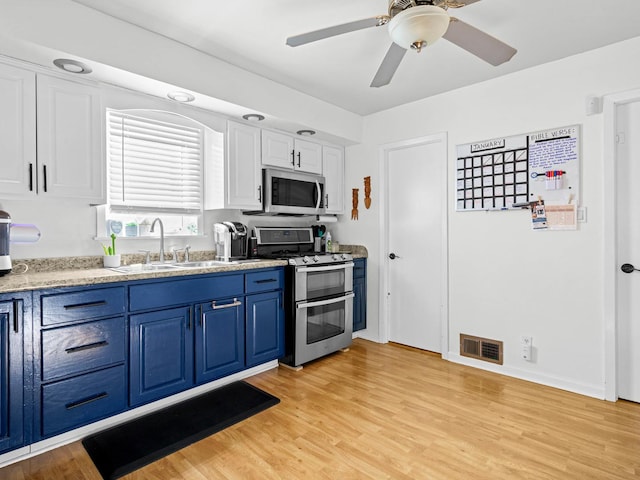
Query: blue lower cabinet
(11, 373)
(264, 328)
(160, 354)
(219, 339)
(81, 400)
(360, 294)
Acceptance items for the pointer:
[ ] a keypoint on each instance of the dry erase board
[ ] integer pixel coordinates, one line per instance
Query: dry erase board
(510, 172)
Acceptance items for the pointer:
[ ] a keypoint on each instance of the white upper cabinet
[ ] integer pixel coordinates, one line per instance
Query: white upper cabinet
(70, 128)
(333, 171)
(308, 156)
(235, 180)
(17, 132)
(284, 151)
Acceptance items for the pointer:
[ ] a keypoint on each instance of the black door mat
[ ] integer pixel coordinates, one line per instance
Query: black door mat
(132, 445)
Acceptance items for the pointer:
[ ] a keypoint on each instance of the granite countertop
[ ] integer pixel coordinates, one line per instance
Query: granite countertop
(75, 271)
(87, 271)
(356, 251)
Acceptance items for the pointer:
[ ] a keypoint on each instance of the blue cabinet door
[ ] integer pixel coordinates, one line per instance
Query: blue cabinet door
(161, 354)
(360, 294)
(11, 375)
(264, 328)
(219, 339)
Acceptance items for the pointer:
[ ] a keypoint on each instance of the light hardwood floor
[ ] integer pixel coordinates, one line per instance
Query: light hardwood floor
(386, 411)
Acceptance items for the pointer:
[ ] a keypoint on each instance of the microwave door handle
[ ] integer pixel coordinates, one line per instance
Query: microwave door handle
(319, 195)
(325, 302)
(328, 268)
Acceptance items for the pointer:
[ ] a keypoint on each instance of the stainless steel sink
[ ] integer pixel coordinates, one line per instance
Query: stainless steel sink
(214, 263)
(145, 268)
(203, 264)
(163, 267)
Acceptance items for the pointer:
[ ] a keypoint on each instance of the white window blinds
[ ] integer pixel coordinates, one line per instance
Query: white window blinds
(154, 165)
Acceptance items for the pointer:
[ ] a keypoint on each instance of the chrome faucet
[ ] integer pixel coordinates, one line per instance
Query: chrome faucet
(161, 237)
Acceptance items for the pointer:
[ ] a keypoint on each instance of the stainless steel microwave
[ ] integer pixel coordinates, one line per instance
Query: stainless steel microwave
(291, 193)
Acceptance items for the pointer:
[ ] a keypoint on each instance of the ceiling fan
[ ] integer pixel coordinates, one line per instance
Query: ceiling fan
(415, 24)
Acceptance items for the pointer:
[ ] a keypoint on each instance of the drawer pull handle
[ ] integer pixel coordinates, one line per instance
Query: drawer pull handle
(236, 303)
(85, 401)
(89, 346)
(84, 305)
(267, 280)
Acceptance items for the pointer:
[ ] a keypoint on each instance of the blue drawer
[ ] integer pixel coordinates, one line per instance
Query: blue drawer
(264, 281)
(78, 348)
(82, 305)
(81, 400)
(156, 295)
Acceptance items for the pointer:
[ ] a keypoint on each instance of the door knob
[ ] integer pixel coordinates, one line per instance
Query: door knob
(393, 256)
(628, 268)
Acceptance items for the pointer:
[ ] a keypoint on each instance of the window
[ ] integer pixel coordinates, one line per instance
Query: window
(154, 165)
(155, 162)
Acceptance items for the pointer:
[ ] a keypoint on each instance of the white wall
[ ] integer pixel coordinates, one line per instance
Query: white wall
(505, 279)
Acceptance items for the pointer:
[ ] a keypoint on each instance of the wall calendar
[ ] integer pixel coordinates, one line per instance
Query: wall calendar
(512, 172)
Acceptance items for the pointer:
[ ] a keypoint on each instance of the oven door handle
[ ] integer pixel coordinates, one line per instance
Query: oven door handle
(325, 302)
(327, 268)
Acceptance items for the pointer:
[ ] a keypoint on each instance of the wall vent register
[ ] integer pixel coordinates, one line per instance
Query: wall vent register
(481, 348)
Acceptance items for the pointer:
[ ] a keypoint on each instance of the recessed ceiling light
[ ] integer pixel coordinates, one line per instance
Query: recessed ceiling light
(253, 117)
(71, 66)
(182, 97)
(306, 132)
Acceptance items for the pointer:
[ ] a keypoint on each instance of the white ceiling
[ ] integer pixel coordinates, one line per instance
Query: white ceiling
(251, 34)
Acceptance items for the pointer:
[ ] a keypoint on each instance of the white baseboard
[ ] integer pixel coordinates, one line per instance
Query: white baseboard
(79, 433)
(595, 391)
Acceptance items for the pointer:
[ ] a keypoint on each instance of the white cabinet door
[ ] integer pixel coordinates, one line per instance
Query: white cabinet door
(277, 149)
(284, 151)
(70, 160)
(244, 174)
(308, 156)
(17, 131)
(333, 171)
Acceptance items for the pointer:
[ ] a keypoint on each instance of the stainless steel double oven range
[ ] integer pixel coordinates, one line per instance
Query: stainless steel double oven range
(318, 293)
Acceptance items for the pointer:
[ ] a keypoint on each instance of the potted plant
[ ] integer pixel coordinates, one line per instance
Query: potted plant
(111, 258)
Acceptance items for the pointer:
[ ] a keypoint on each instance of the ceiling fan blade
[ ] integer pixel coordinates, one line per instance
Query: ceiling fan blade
(309, 37)
(481, 44)
(389, 65)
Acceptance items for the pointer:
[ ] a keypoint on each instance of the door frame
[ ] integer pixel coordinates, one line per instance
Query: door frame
(610, 162)
(384, 150)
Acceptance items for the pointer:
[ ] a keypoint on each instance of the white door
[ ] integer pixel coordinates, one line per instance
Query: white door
(415, 251)
(628, 248)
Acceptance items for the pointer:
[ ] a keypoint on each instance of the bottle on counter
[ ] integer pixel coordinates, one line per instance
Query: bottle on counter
(327, 246)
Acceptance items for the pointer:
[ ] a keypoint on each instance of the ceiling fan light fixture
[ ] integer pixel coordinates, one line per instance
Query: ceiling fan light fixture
(418, 26)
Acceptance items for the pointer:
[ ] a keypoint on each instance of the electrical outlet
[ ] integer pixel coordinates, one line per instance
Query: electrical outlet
(526, 347)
